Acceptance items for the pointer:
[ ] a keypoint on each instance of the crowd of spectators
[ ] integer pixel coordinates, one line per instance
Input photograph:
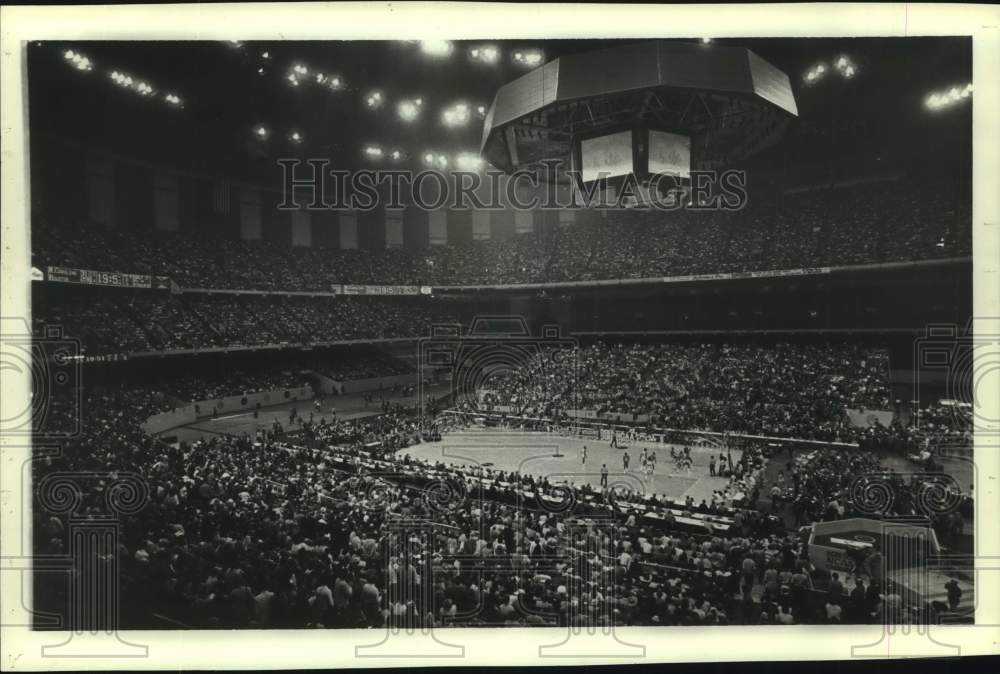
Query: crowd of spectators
(861, 223)
(944, 426)
(833, 484)
(121, 321)
(784, 389)
(241, 534)
(299, 529)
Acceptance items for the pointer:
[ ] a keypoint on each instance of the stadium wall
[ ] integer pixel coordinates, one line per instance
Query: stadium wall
(330, 386)
(903, 298)
(98, 188)
(201, 409)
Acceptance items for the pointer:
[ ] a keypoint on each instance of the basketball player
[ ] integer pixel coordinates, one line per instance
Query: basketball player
(583, 456)
(614, 439)
(625, 460)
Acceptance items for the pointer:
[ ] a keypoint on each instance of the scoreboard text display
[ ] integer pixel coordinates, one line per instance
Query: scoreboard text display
(669, 153)
(606, 156)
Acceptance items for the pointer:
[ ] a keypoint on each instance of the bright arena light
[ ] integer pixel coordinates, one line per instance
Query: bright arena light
(815, 73)
(336, 83)
(468, 161)
(373, 151)
(436, 47)
(396, 155)
(261, 132)
(375, 100)
(77, 60)
(948, 98)
(484, 54)
(706, 40)
(408, 110)
(845, 66)
(295, 137)
(529, 58)
(432, 158)
(124, 80)
(300, 69)
(293, 80)
(456, 115)
(481, 110)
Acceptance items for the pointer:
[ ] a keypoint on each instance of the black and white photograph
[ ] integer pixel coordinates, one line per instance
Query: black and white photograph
(431, 336)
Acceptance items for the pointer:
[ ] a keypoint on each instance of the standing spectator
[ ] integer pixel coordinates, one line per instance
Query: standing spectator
(954, 594)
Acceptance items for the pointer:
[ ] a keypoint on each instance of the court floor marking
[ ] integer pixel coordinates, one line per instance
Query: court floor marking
(197, 429)
(231, 416)
(506, 450)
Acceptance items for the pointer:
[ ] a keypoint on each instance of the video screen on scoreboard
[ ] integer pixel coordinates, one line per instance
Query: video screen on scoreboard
(669, 153)
(606, 156)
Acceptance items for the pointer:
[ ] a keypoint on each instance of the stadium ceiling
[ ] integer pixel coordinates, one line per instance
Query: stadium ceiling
(228, 91)
(701, 90)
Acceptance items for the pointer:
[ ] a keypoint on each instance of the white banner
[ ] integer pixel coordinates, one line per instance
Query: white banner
(381, 290)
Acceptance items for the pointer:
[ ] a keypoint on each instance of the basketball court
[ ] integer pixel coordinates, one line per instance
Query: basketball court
(560, 460)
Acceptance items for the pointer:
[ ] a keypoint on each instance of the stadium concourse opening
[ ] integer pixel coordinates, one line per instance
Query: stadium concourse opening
(381, 417)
